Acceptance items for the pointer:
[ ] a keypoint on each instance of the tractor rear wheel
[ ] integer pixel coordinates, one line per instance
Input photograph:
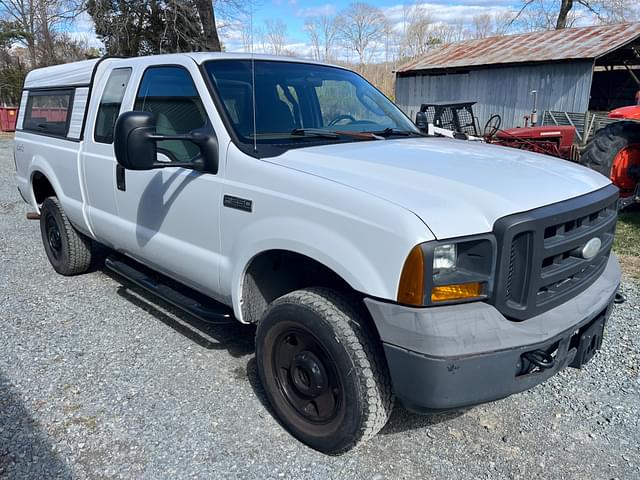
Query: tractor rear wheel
(614, 151)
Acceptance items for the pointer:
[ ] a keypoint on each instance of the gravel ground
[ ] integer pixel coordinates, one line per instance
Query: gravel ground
(98, 382)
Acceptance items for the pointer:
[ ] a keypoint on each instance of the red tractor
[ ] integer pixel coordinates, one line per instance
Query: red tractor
(614, 151)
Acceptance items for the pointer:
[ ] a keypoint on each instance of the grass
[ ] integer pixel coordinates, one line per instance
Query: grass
(627, 243)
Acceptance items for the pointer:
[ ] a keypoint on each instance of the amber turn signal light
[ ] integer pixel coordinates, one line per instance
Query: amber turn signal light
(456, 291)
(411, 288)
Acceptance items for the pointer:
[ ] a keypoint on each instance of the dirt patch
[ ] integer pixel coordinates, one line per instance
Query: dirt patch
(630, 266)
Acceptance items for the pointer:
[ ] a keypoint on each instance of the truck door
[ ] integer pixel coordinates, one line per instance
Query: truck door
(98, 161)
(170, 216)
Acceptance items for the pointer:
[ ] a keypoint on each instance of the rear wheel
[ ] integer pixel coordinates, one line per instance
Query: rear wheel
(69, 251)
(323, 369)
(615, 152)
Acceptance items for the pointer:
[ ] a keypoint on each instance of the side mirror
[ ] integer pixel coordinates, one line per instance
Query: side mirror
(132, 142)
(135, 137)
(422, 122)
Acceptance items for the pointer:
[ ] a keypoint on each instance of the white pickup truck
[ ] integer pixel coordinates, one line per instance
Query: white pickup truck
(376, 261)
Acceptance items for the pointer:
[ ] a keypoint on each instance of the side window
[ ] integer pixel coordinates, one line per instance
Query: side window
(110, 104)
(48, 112)
(169, 93)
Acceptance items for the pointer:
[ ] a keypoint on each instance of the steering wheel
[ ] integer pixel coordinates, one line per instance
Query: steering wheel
(492, 126)
(340, 118)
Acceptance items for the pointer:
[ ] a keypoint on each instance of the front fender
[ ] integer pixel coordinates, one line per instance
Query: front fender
(365, 267)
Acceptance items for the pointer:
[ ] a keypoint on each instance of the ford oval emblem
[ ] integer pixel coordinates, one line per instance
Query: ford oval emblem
(591, 248)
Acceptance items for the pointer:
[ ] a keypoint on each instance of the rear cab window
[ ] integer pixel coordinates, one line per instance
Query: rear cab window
(110, 104)
(48, 112)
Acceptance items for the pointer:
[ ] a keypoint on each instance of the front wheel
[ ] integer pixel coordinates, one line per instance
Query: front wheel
(323, 369)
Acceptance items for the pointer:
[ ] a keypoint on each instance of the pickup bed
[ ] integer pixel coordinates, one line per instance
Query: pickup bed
(376, 261)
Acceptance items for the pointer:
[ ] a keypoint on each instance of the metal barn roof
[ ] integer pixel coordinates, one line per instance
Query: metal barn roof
(554, 45)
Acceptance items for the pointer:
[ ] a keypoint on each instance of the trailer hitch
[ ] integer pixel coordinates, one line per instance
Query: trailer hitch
(540, 359)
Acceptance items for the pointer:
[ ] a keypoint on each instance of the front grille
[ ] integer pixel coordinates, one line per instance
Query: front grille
(539, 261)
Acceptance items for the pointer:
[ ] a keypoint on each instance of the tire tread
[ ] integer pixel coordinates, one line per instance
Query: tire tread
(351, 329)
(80, 251)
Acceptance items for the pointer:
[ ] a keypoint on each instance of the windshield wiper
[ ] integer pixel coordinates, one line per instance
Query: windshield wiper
(388, 132)
(319, 132)
(316, 132)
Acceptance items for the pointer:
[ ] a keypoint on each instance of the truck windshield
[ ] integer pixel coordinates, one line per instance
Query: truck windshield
(298, 101)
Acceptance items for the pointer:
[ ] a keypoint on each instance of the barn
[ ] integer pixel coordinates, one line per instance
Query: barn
(578, 70)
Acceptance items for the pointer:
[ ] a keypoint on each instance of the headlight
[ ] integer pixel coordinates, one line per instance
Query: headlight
(445, 256)
(452, 271)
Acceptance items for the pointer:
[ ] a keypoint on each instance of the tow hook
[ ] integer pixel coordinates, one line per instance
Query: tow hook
(540, 359)
(33, 216)
(619, 298)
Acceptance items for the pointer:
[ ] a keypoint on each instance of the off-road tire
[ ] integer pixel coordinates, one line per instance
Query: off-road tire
(338, 322)
(73, 255)
(607, 143)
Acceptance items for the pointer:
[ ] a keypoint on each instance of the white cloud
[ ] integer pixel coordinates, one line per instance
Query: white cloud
(462, 11)
(327, 9)
(82, 30)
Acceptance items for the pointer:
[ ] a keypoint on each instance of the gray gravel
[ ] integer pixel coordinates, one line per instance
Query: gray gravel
(98, 382)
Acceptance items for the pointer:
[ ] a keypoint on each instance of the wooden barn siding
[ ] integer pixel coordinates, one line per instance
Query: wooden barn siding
(504, 90)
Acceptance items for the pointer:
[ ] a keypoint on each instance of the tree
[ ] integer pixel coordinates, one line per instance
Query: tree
(314, 36)
(141, 27)
(482, 25)
(207, 17)
(553, 14)
(361, 28)
(275, 35)
(38, 24)
(418, 30)
(322, 31)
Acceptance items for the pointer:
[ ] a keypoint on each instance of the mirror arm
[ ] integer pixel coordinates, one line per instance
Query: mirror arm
(195, 165)
(197, 139)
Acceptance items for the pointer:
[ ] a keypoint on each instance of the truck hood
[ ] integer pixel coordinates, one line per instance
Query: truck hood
(456, 187)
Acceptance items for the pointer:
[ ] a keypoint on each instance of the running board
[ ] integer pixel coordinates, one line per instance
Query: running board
(199, 306)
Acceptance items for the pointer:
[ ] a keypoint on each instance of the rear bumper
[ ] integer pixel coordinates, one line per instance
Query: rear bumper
(454, 356)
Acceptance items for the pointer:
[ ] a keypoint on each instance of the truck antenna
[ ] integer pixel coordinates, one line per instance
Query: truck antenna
(253, 83)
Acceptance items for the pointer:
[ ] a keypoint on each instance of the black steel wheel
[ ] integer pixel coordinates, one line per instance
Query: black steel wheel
(306, 375)
(323, 369)
(68, 251)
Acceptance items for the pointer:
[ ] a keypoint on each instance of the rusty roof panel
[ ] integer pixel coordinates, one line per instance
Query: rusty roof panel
(567, 44)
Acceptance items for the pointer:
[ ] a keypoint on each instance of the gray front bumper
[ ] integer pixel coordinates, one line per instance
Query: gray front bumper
(457, 355)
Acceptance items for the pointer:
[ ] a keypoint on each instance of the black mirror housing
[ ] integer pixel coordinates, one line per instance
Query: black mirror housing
(133, 141)
(422, 122)
(135, 145)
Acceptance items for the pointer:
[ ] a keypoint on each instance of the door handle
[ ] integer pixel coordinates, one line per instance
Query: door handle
(121, 182)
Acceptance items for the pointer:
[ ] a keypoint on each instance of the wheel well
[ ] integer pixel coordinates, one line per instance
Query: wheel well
(274, 273)
(41, 187)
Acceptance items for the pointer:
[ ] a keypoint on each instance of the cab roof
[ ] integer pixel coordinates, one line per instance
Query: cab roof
(80, 73)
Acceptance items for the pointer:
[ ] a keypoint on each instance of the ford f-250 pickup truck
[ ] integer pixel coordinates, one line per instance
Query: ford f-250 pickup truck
(376, 261)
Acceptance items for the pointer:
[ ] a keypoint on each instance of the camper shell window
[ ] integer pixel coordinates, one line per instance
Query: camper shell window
(48, 112)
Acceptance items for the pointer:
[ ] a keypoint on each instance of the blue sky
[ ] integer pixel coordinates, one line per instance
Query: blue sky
(294, 12)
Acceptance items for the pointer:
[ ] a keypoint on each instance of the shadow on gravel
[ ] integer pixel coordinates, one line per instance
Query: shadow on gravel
(236, 338)
(401, 420)
(25, 451)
